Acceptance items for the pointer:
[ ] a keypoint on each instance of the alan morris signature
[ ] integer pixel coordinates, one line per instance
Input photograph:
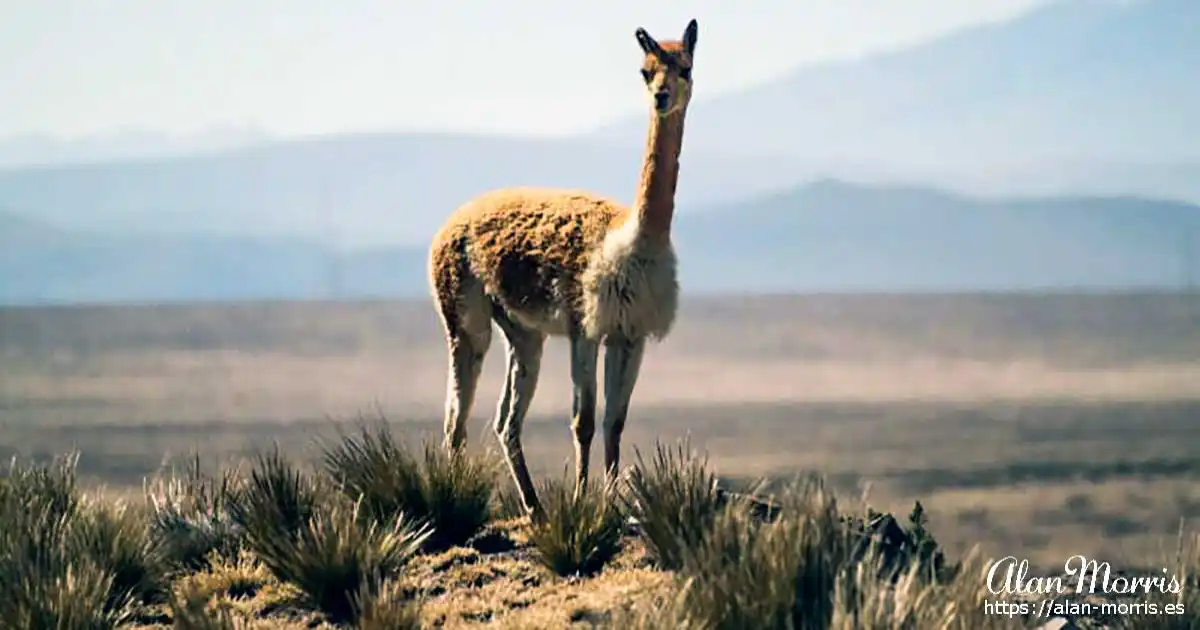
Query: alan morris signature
(1011, 576)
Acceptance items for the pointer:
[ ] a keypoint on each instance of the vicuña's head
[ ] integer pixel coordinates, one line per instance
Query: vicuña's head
(667, 69)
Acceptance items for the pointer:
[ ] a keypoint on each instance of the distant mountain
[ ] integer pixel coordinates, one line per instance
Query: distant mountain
(1052, 93)
(1178, 180)
(1078, 97)
(40, 264)
(15, 230)
(357, 190)
(43, 150)
(836, 236)
(825, 236)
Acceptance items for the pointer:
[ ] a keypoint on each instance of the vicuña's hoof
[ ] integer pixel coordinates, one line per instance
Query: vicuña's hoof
(537, 516)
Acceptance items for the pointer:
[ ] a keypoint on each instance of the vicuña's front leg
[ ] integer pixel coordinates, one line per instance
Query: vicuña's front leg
(622, 361)
(584, 352)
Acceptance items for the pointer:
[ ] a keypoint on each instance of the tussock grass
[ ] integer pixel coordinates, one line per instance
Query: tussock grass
(193, 608)
(745, 573)
(581, 532)
(278, 545)
(453, 493)
(275, 503)
(61, 565)
(1186, 567)
(116, 538)
(810, 568)
(674, 500)
(339, 557)
(390, 608)
(329, 548)
(191, 515)
(234, 579)
(911, 602)
(77, 596)
(459, 491)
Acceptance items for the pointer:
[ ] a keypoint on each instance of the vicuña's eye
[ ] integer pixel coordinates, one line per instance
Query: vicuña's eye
(685, 74)
(647, 75)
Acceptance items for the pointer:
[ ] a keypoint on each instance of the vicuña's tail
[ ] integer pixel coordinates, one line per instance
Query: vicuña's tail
(448, 273)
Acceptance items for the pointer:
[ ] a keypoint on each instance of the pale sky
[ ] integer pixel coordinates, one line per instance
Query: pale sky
(73, 68)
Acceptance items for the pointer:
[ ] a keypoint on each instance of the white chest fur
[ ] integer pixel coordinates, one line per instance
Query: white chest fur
(630, 287)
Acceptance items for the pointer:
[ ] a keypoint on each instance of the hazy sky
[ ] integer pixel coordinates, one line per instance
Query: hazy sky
(83, 67)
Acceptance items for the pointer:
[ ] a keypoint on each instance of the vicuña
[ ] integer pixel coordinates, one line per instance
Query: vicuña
(541, 262)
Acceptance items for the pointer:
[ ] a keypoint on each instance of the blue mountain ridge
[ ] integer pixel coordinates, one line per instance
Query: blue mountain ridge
(824, 236)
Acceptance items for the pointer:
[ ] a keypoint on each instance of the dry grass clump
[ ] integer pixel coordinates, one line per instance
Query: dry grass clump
(674, 500)
(389, 608)
(1186, 567)
(320, 542)
(582, 532)
(194, 608)
(191, 515)
(234, 579)
(198, 543)
(336, 560)
(67, 564)
(453, 493)
(810, 568)
(816, 568)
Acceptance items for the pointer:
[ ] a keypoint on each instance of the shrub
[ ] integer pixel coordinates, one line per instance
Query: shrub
(338, 557)
(674, 500)
(77, 595)
(1185, 566)
(276, 503)
(389, 609)
(38, 504)
(49, 576)
(864, 601)
(191, 516)
(816, 569)
(235, 579)
(51, 490)
(926, 551)
(370, 465)
(731, 582)
(581, 532)
(116, 538)
(451, 492)
(785, 574)
(459, 490)
(193, 608)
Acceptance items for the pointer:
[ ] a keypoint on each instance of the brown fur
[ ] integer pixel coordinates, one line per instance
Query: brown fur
(539, 262)
(527, 248)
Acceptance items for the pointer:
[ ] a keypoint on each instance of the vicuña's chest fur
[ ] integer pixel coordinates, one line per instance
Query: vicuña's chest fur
(629, 287)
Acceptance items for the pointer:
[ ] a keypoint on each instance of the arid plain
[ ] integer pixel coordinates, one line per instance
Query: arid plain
(1034, 425)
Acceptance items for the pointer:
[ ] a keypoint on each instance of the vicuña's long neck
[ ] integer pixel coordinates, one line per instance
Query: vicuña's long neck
(654, 202)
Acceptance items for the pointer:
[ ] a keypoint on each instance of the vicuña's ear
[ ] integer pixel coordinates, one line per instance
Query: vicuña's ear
(690, 34)
(645, 41)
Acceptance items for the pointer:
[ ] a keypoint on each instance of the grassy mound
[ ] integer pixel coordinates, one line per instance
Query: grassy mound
(375, 536)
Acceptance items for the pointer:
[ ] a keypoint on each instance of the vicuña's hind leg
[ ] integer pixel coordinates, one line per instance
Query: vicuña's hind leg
(466, 363)
(583, 408)
(468, 336)
(622, 361)
(524, 349)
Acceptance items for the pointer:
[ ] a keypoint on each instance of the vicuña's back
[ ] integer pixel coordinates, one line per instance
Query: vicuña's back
(540, 262)
(555, 259)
